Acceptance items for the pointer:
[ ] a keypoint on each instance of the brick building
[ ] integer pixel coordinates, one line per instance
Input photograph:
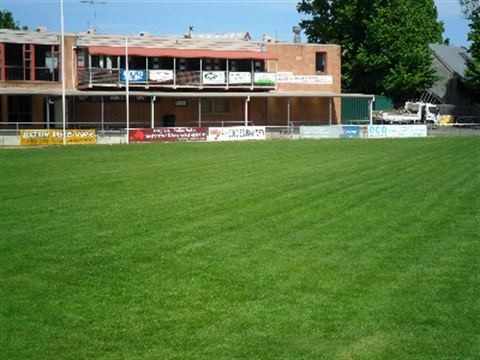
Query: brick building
(186, 80)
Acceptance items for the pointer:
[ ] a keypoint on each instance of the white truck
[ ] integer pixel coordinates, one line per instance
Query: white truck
(414, 112)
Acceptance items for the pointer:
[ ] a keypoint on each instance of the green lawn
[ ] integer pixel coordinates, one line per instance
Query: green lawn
(308, 249)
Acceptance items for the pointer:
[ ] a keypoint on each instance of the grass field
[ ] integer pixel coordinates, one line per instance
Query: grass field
(309, 249)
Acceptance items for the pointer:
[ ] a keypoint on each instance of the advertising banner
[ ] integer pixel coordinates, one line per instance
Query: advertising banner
(313, 79)
(55, 137)
(350, 132)
(289, 78)
(214, 77)
(134, 75)
(239, 77)
(319, 132)
(167, 134)
(285, 77)
(237, 133)
(329, 132)
(264, 78)
(396, 131)
(160, 76)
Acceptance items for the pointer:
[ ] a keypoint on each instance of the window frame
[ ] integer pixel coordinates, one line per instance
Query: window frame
(25, 62)
(321, 65)
(19, 109)
(215, 106)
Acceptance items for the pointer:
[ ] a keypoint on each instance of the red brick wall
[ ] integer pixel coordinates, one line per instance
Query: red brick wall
(299, 59)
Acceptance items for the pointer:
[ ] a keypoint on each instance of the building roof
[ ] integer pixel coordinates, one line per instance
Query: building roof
(40, 37)
(168, 42)
(224, 45)
(221, 42)
(454, 58)
(183, 46)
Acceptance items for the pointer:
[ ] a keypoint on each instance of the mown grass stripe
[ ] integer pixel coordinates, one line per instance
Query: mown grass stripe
(258, 250)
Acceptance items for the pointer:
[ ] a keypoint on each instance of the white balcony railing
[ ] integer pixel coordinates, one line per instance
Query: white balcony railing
(115, 77)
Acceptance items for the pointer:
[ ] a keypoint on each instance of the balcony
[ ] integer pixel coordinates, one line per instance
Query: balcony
(172, 79)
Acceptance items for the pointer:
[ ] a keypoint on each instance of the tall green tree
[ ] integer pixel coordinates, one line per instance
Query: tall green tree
(385, 43)
(468, 6)
(471, 9)
(8, 22)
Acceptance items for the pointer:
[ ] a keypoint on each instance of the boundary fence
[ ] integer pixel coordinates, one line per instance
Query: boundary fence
(13, 137)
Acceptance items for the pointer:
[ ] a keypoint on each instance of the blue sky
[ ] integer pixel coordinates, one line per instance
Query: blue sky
(258, 17)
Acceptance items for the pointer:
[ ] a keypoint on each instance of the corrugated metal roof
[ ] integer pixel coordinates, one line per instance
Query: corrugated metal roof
(169, 42)
(455, 58)
(225, 36)
(29, 37)
(219, 42)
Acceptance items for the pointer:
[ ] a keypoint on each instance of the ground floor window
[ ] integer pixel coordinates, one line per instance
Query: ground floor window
(19, 109)
(215, 106)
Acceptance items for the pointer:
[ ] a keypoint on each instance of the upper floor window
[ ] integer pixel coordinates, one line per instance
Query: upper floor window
(320, 63)
(258, 66)
(103, 61)
(47, 63)
(28, 62)
(154, 63)
(14, 66)
(214, 64)
(80, 58)
(240, 65)
(181, 64)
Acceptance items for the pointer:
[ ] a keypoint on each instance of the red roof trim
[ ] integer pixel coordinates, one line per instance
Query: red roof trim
(181, 53)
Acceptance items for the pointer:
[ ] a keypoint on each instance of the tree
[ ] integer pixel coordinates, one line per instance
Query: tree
(468, 6)
(8, 22)
(473, 70)
(385, 43)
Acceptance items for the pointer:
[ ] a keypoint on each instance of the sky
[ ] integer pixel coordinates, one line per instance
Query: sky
(130, 17)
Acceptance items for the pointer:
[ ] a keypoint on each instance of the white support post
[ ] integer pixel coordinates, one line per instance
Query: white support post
(252, 70)
(152, 111)
(174, 73)
(47, 104)
(247, 99)
(288, 112)
(371, 109)
(127, 78)
(276, 72)
(201, 73)
(73, 67)
(330, 111)
(199, 112)
(228, 74)
(64, 111)
(103, 114)
(89, 70)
